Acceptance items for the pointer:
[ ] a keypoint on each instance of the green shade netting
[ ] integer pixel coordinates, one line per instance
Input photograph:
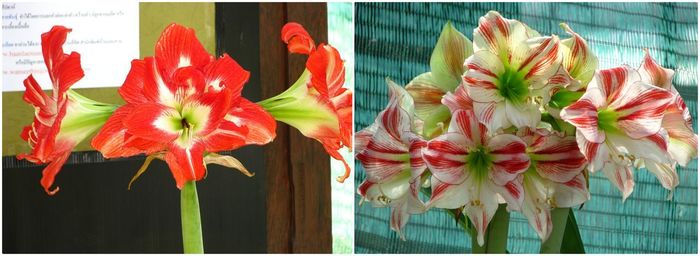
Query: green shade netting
(396, 39)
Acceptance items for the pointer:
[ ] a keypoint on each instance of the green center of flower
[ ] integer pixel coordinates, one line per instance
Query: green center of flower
(511, 85)
(607, 120)
(479, 162)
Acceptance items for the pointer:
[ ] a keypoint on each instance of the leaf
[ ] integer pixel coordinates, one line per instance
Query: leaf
(228, 161)
(141, 170)
(572, 236)
(191, 219)
(449, 54)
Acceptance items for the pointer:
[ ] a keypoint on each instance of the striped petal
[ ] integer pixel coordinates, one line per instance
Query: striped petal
(509, 158)
(640, 108)
(538, 58)
(522, 115)
(446, 156)
(492, 114)
(653, 73)
(364, 136)
(664, 172)
(683, 142)
(297, 39)
(327, 70)
(481, 208)
(447, 59)
(512, 192)
(571, 193)
(535, 207)
(621, 176)
(499, 35)
(578, 59)
(399, 219)
(447, 196)
(555, 157)
(426, 94)
(596, 153)
(652, 147)
(459, 100)
(584, 114)
(481, 78)
(464, 122)
(384, 156)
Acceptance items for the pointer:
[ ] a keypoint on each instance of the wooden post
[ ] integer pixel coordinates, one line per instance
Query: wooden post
(298, 168)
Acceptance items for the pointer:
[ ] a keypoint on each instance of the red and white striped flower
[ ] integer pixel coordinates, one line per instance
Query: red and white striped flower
(683, 142)
(575, 73)
(65, 118)
(555, 177)
(470, 168)
(390, 153)
(511, 62)
(183, 104)
(316, 104)
(618, 120)
(446, 69)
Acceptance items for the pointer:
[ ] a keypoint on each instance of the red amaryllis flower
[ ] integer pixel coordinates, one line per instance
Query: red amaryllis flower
(181, 105)
(63, 119)
(317, 104)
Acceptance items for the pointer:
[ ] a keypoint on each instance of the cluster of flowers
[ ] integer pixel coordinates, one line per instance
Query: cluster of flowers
(182, 106)
(519, 118)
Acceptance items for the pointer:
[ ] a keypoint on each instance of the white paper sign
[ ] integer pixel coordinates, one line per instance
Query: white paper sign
(106, 35)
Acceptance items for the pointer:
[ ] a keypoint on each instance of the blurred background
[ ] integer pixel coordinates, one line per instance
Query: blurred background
(395, 40)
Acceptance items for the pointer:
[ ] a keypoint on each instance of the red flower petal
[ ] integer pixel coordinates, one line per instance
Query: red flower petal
(225, 73)
(327, 70)
(48, 175)
(297, 39)
(132, 89)
(186, 163)
(153, 121)
(64, 69)
(178, 47)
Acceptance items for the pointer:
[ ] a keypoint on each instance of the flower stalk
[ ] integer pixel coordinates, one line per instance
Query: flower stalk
(191, 220)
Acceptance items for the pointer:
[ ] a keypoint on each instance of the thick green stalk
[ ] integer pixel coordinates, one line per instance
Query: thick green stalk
(560, 217)
(496, 237)
(191, 221)
(572, 237)
(565, 237)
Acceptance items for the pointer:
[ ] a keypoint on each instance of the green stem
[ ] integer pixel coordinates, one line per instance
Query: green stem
(572, 236)
(560, 217)
(191, 221)
(496, 237)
